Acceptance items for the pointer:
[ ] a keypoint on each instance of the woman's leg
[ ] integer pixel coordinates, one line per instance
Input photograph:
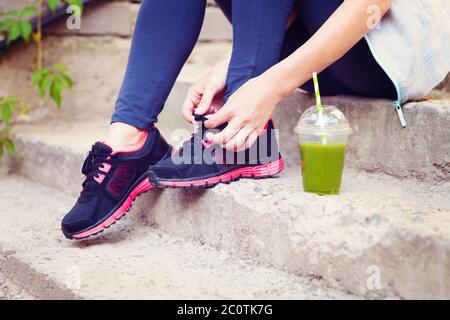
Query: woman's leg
(258, 32)
(356, 73)
(165, 34)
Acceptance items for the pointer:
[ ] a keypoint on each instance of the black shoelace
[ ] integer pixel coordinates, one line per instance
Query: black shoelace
(196, 137)
(92, 169)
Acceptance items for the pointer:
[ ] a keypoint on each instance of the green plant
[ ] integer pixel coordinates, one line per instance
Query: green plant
(8, 107)
(50, 81)
(16, 24)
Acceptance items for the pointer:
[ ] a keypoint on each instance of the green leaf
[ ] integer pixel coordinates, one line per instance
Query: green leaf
(37, 76)
(26, 29)
(65, 80)
(44, 84)
(6, 113)
(55, 91)
(53, 4)
(27, 11)
(14, 32)
(9, 145)
(1, 149)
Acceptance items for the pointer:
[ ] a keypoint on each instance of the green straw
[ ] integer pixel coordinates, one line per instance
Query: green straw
(319, 106)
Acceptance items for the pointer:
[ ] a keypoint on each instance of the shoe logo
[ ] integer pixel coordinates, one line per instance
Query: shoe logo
(125, 172)
(120, 181)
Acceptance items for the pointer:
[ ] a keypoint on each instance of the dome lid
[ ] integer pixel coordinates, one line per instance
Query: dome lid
(333, 122)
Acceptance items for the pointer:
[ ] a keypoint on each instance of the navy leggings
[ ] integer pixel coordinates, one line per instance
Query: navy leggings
(166, 32)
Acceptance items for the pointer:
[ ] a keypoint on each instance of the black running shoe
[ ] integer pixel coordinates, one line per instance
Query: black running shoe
(200, 164)
(113, 181)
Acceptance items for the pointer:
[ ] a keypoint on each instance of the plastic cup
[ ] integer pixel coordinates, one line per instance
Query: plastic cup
(322, 143)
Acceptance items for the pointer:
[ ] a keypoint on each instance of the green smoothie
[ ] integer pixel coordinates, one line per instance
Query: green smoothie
(322, 167)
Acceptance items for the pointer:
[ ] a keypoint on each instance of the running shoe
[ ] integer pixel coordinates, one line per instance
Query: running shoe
(201, 164)
(113, 181)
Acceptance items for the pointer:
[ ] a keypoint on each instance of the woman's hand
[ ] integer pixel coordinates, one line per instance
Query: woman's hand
(247, 112)
(201, 94)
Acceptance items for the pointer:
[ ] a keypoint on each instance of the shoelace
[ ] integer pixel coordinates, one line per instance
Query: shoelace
(196, 136)
(92, 169)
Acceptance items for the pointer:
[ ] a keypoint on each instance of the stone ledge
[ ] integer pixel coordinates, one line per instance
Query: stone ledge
(136, 262)
(379, 144)
(104, 18)
(394, 224)
(119, 18)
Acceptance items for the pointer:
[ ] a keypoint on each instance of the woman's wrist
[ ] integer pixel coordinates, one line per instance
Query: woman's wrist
(279, 81)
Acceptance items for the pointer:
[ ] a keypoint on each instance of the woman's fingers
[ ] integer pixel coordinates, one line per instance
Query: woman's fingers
(239, 141)
(188, 108)
(235, 138)
(205, 102)
(251, 139)
(225, 135)
(192, 99)
(223, 115)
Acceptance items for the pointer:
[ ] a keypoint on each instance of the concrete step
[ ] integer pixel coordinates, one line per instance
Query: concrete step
(420, 152)
(139, 262)
(399, 227)
(97, 17)
(9, 290)
(97, 80)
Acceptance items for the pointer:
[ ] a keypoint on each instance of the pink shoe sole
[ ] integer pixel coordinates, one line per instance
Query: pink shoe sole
(142, 187)
(255, 172)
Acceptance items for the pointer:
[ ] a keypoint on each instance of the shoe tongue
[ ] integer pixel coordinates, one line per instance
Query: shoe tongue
(100, 147)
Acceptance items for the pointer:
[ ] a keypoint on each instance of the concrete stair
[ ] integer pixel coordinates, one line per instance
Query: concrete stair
(138, 261)
(390, 224)
(97, 19)
(391, 216)
(399, 226)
